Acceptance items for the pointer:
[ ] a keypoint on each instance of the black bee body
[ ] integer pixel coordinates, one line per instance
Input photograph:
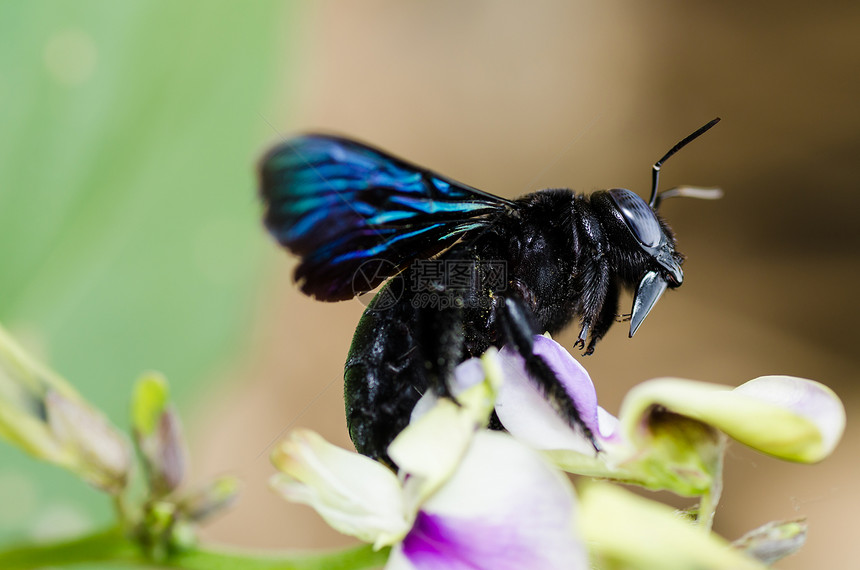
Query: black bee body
(470, 270)
(566, 256)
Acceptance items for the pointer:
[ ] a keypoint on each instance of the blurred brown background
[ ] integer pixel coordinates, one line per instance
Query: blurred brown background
(512, 97)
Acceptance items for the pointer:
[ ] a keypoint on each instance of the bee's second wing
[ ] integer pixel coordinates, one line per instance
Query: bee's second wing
(340, 204)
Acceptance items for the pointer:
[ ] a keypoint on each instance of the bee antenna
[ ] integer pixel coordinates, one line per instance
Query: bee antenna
(688, 192)
(655, 173)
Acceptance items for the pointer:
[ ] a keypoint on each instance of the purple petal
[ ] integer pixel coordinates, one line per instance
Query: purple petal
(524, 411)
(577, 383)
(436, 542)
(439, 543)
(504, 509)
(467, 374)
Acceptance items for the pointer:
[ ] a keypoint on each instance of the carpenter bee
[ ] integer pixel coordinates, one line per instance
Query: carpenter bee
(465, 269)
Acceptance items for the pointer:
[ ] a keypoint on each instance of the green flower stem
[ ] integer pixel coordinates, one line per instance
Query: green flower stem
(711, 498)
(352, 559)
(707, 508)
(115, 546)
(111, 544)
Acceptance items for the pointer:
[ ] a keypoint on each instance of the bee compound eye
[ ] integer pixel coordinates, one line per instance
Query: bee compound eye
(640, 218)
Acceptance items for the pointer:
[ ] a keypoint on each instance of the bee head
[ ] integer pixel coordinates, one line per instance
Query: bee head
(653, 237)
(650, 235)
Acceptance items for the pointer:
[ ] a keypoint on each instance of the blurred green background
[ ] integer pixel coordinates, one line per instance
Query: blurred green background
(129, 233)
(130, 238)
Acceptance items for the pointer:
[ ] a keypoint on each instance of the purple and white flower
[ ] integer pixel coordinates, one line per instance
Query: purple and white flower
(465, 498)
(669, 433)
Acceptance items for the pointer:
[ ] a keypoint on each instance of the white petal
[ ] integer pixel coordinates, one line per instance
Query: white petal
(807, 398)
(430, 448)
(104, 455)
(608, 426)
(424, 404)
(471, 385)
(504, 508)
(354, 494)
(466, 375)
(790, 418)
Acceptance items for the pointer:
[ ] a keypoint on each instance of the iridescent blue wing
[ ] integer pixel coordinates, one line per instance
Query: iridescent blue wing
(340, 204)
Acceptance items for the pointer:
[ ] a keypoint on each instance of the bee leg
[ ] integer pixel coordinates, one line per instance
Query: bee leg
(440, 338)
(583, 334)
(597, 284)
(519, 330)
(606, 318)
(594, 278)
